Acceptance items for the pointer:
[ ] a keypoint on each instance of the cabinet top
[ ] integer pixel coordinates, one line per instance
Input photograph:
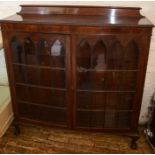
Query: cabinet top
(79, 16)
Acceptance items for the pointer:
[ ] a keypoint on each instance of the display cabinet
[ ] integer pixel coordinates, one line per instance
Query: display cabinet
(78, 67)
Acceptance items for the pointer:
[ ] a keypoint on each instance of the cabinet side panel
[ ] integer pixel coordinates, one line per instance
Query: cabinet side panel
(8, 58)
(144, 45)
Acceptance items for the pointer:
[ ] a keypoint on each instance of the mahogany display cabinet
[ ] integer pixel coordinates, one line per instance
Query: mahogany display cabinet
(78, 67)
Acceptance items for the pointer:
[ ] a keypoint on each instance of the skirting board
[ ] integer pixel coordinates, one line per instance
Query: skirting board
(6, 118)
(6, 125)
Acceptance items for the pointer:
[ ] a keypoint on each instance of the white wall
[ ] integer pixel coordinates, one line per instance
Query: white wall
(3, 72)
(9, 8)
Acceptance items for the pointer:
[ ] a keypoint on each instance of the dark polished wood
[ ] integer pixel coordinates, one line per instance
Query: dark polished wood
(78, 67)
(80, 15)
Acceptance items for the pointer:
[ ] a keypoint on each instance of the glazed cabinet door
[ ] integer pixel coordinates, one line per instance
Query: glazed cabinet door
(40, 69)
(106, 69)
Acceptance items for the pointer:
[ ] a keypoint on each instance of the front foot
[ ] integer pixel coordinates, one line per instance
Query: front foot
(17, 129)
(134, 144)
(134, 139)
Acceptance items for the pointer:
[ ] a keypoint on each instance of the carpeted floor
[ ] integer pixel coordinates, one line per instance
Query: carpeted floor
(35, 139)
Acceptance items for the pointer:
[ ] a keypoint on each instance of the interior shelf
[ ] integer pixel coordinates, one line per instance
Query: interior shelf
(37, 86)
(41, 67)
(48, 106)
(107, 70)
(102, 91)
(104, 110)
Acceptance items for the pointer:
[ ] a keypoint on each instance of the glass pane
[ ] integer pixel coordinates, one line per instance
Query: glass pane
(22, 93)
(115, 56)
(45, 77)
(127, 100)
(56, 48)
(131, 55)
(124, 119)
(58, 78)
(104, 109)
(19, 74)
(83, 80)
(44, 56)
(110, 119)
(84, 55)
(45, 114)
(105, 101)
(33, 75)
(119, 101)
(88, 100)
(83, 119)
(57, 54)
(106, 80)
(47, 97)
(17, 51)
(90, 119)
(112, 101)
(97, 119)
(99, 56)
(30, 52)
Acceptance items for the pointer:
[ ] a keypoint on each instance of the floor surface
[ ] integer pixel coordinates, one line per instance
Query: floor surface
(35, 139)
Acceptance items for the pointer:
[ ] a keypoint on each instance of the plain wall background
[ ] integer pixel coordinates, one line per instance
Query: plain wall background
(148, 10)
